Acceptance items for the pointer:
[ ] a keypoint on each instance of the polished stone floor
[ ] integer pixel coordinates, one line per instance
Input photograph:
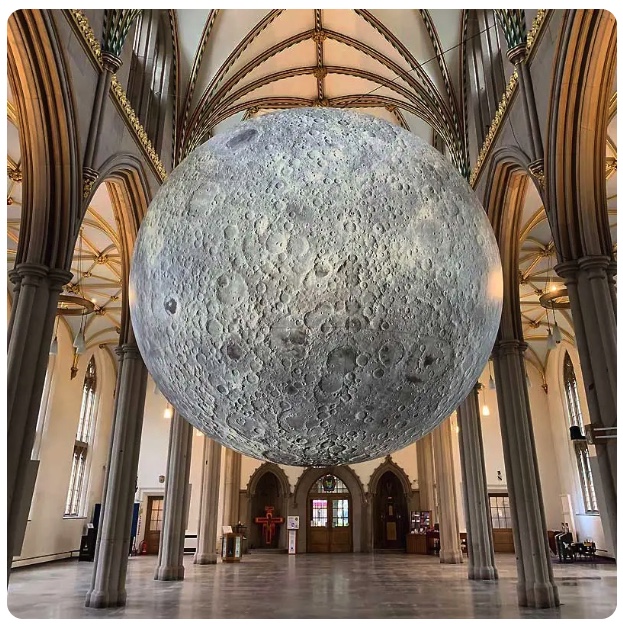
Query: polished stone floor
(311, 586)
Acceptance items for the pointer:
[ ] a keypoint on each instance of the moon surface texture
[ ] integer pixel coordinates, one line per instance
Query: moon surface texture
(315, 287)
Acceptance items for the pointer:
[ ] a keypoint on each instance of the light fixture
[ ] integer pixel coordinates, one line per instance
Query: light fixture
(80, 341)
(485, 407)
(491, 380)
(528, 380)
(556, 335)
(551, 343)
(198, 432)
(168, 412)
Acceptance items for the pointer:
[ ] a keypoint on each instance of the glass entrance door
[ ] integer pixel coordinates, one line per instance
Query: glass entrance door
(329, 520)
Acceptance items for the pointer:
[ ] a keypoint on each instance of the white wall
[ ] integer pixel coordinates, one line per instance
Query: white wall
(49, 534)
(586, 525)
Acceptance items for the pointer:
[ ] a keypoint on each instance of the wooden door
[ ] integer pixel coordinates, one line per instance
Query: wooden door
(391, 522)
(499, 507)
(154, 523)
(330, 525)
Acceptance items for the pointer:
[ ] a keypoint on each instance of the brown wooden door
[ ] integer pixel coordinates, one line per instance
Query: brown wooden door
(499, 507)
(391, 522)
(330, 525)
(154, 523)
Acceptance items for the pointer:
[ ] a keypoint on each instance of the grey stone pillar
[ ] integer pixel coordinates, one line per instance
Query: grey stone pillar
(590, 286)
(175, 507)
(208, 510)
(113, 539)
(535, 586)
(426, 475)
(449, 538)
(231, 499)
(30, 332)
(481, 561)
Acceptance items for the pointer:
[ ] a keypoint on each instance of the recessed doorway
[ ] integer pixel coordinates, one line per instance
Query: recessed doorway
(329, 520)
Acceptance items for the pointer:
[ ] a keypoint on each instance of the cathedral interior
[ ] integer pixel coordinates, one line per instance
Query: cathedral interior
(134, 491)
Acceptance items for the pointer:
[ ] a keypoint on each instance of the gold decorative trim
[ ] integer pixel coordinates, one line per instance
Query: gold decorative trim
(496, 123)
(87, 33)
(134, 123)
(14, 172)
(131, 118)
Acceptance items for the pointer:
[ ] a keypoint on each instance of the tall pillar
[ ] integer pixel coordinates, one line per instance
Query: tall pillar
(231, 507)
(37, 289)
(535, 585)
(113, 538)
(481, 561)
(449, 539)
(208, 510)
(175, 507)
(426, 474)
(590, 286)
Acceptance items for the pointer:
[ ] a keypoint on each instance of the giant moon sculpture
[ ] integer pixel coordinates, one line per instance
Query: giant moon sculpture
(315, 287)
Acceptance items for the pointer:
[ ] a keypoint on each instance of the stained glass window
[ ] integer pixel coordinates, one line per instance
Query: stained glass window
(326, 481)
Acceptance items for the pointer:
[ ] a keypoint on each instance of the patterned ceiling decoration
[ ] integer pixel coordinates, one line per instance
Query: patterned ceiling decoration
(513, 23)
(96, 264)
(117, 23)
(395, 64)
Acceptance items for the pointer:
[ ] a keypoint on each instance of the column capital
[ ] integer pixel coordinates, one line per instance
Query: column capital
(111, 62)
(58, 278)
(128, 350)
(33, 272)
(567, 270)
(595, 265)
(517, 54)
(508, 347)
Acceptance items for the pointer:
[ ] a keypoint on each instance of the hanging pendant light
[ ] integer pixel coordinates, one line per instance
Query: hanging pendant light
(491, 380)
(556, 335)
(168, 412)
(551, 343)
(528, 380)
(80, 342)
(54, 346)
(485, 407)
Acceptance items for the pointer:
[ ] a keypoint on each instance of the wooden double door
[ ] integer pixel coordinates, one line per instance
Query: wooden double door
(153, 525)
(330, 524)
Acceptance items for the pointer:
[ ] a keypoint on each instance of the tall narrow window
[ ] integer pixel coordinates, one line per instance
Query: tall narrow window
(84, 436)
(574, 415)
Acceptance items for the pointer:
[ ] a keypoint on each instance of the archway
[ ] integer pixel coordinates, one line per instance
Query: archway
(390, 514)
(329, 520)
(268, 486)
(358, 507)
(392, 499)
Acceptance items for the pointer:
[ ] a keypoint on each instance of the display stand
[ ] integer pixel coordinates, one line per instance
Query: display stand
(231, 549)
(293, 526)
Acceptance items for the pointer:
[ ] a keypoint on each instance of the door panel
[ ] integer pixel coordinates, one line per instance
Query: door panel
(154, 523)
(318, 538)
(330, 528)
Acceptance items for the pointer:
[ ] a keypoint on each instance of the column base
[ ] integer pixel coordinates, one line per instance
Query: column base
(482, 573)
(105, 599)
(205, 559)
(169, 573)
(543, 595)
(451, 557)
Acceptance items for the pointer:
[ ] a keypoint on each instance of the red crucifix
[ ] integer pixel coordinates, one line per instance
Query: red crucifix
(269, 523)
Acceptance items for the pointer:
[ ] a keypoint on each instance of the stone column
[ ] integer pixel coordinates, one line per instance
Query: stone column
(113, 539)
(535, 586)
(449, 538)
(426, 475)
(175, 507)
(590, 288)
(36, 293)
(481, 561)
(208, 510)
(231, 508)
